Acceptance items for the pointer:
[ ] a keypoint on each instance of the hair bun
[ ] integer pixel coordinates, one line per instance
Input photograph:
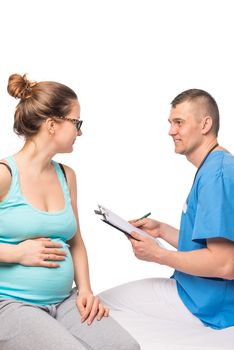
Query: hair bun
(19, 86)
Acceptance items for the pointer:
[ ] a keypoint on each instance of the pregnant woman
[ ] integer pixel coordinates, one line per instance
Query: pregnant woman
(41, 249)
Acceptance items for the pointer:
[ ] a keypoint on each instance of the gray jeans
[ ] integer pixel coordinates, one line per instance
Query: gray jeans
(58, 327)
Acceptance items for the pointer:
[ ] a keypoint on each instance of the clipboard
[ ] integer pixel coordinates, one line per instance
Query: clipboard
(114, 220)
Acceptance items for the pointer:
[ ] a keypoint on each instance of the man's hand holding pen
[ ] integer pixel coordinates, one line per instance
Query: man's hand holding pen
(146, 248)
(151, 226)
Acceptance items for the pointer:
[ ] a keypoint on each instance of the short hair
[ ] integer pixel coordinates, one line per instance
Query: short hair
(38, 101)
(198, 95)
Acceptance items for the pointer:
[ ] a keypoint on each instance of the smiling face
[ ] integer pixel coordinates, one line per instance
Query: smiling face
(186, 127)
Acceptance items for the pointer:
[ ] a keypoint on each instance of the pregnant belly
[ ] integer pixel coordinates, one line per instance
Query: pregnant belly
(37, 285)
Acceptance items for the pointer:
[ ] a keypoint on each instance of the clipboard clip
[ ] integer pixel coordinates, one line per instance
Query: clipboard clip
(101, 211)
(98, 212)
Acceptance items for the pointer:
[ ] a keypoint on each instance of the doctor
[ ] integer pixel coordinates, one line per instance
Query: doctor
(201, 290)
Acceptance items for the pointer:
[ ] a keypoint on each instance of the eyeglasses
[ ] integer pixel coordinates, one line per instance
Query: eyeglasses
(76, 122)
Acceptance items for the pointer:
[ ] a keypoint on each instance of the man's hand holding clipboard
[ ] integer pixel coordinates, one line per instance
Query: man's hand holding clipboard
(130, 229)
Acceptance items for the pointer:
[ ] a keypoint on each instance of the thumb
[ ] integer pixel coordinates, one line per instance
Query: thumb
(136, 236)
(81, 305)
(42, 239)
(137, 222)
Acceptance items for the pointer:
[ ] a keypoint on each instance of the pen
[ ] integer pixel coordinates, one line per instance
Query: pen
(144, 216)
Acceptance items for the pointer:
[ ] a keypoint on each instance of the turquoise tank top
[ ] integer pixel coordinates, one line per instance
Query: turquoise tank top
(20, 221)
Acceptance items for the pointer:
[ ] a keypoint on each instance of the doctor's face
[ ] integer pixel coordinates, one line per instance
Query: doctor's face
(186, 127)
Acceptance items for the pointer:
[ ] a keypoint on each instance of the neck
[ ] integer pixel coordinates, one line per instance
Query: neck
(196, 157)
(35, 156)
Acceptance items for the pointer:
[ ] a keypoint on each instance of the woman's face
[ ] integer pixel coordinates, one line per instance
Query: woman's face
(66, 131)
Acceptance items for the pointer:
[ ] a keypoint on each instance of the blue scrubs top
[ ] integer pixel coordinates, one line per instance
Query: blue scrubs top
(209, 213)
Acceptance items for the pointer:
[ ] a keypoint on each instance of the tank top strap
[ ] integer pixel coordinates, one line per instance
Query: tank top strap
(14, 190)
(11, 163)
(62, 180)
(14, 171)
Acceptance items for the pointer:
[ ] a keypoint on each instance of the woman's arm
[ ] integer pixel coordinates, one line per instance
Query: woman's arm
(33, 252)
(8, 253)
(88, 305)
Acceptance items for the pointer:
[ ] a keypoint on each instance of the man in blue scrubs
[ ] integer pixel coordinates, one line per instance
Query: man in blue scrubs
(204, 260)
(194, 308)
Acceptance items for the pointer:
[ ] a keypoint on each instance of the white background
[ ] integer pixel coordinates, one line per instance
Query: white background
(126, 59)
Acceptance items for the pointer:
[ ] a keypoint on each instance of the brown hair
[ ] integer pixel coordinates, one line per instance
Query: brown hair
(38, 101)
(201, 96)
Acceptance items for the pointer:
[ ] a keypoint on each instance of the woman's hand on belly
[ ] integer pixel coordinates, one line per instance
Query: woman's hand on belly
(40, 252)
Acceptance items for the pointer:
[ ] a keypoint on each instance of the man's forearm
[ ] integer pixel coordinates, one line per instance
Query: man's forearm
(202, 262)
(170, 234)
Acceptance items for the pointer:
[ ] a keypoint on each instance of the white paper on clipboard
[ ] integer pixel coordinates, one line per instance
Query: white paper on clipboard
(114, 220)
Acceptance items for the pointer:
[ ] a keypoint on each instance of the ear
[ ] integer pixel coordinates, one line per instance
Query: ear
(206, 124)
(50, 125)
